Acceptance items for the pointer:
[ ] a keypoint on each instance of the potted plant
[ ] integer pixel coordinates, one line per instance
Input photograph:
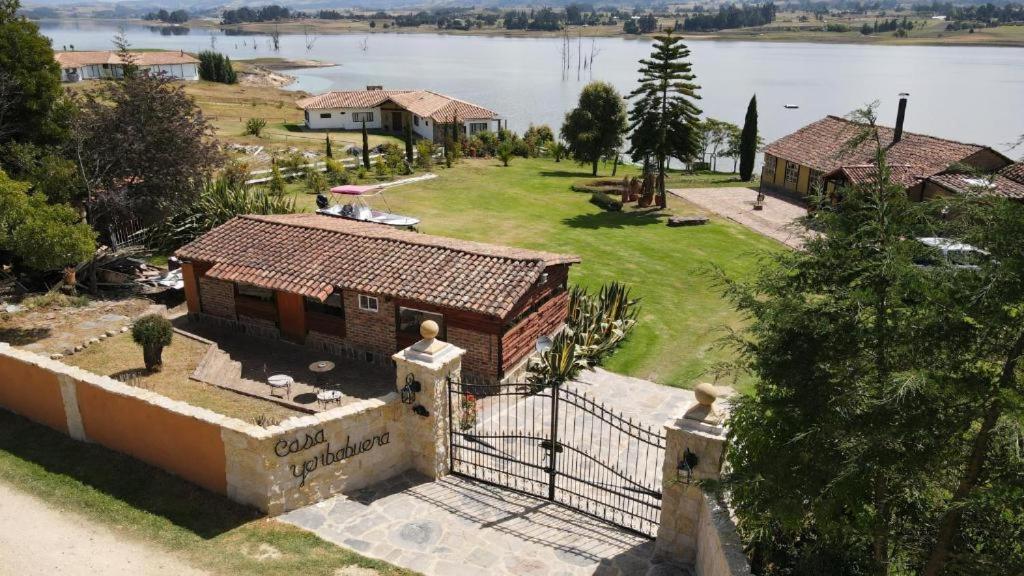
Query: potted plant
(153, 332)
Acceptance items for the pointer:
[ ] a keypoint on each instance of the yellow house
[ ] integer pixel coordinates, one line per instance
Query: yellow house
(816, 158)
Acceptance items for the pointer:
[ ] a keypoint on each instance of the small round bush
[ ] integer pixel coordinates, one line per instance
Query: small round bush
(152, 332)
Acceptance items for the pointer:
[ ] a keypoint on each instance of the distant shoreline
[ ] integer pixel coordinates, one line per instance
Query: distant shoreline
(1009, 36)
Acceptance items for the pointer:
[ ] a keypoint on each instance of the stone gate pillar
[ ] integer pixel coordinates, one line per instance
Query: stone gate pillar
(426, 365)
(694, 451)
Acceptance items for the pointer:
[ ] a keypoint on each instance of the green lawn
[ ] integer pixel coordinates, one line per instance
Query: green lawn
(530, 204)
(144, 503)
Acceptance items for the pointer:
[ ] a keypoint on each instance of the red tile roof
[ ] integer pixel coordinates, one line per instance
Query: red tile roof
(312, 255)
(149, 58)
(1014, 172)
(423, 103)
(820, 146)
(996, 184)
(903, 175)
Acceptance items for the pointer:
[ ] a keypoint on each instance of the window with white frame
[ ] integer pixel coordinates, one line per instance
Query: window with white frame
(362, 116)
(477, 127)
(792, 173)
(769, 168)
(369, 303)
(325, 114)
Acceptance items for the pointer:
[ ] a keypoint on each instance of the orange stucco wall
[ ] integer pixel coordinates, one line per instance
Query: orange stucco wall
(185, 446)
(32, 392)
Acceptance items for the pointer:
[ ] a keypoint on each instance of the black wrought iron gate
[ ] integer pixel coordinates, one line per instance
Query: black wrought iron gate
(558, 443)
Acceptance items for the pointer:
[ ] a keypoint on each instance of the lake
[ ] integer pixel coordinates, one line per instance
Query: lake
(974, 94)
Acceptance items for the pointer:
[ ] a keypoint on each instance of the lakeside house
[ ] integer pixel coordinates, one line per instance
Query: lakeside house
(363, 289)
(428, 113)
(94, 65)
(817, 156)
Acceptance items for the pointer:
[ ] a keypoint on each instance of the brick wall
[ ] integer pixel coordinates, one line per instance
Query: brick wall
(482, 351)
(217, 297)
(520, 340)
(370, 331)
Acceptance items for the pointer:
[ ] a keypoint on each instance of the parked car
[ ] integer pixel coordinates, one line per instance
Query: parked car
(952, 253)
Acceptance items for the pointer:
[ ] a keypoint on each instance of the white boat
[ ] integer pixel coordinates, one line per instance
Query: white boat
(359, 208)
(791, 106)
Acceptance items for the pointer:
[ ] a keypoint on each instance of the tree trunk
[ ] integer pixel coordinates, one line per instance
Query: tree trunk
(593, 171)
(949, 525)
(153, 357)
(615, 164)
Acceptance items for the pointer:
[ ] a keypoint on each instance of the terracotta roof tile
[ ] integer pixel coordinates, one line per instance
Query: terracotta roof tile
(149, 58)
(820, 145)
(996, 185)
(423, 103)
(311, 254)
(1014, 172)
(904, 175)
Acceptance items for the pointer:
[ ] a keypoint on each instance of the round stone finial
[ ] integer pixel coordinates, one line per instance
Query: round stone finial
(705, 393)
(429, 329)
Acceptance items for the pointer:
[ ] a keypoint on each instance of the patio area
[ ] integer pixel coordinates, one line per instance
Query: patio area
(778, 218)
(244, 364)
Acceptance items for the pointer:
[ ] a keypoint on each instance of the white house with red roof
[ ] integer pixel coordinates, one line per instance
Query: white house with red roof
(76, 66)
(424, 111)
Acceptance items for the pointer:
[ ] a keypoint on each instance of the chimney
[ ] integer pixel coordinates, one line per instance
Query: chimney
(900, 116)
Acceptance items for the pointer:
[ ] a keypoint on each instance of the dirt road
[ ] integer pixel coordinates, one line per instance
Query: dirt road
(38, 539)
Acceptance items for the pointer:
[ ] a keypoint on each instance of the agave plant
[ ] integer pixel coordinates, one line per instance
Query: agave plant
(598, 324)
(218, 202)
(558, 364)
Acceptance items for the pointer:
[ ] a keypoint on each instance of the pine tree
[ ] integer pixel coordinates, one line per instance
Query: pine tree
(327, 151)
(748, 141)
(366, 148)
(664, 118)
(408, 142)
(229, 72)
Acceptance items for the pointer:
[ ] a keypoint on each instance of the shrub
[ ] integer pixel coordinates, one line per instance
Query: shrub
(558, 150)
(152, 332)
(255, 126)
(276, 184)
(336, 173)
(425, 154)
(235, 173)
(505, 153)
(315, 180)
(605, 201)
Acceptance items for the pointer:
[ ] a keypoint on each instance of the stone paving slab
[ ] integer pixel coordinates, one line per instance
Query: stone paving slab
(456, 527)
(776, 220)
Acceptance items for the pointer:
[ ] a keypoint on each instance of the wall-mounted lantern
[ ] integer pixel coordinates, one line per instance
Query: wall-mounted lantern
(684, 472)
(543, 344)
(412, 386)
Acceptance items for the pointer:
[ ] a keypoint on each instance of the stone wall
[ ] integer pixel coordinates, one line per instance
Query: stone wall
(217, 297)
(370, 331)
(719, 549)
(300, 461)
(307, 459)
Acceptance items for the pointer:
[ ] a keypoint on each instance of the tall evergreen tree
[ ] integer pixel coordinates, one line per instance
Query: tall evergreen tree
(327, 146)
(748, 141)
(366, 147)
(664, 119)
(408, 142)
(30, 89)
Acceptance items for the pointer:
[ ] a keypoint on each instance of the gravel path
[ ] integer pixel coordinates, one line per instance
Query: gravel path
(38, 539)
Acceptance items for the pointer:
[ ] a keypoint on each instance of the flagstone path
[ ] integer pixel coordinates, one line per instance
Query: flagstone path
(776, 220)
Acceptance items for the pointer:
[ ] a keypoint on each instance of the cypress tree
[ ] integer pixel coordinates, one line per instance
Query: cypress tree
(229, 72)
(664, 118)
(366, 148)
(748, 141)
(328, 152)
(408, 142)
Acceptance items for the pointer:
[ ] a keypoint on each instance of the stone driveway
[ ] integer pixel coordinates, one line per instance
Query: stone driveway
(777, 220)
(457, 526)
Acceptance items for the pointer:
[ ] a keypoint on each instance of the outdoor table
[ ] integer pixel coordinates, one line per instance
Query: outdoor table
(320, 368)
(281, 382)
(325, 397)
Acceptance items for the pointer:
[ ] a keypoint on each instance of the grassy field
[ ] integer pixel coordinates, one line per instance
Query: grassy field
(146, 504)
(229, 107)
(119, 356)
(530, 204)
